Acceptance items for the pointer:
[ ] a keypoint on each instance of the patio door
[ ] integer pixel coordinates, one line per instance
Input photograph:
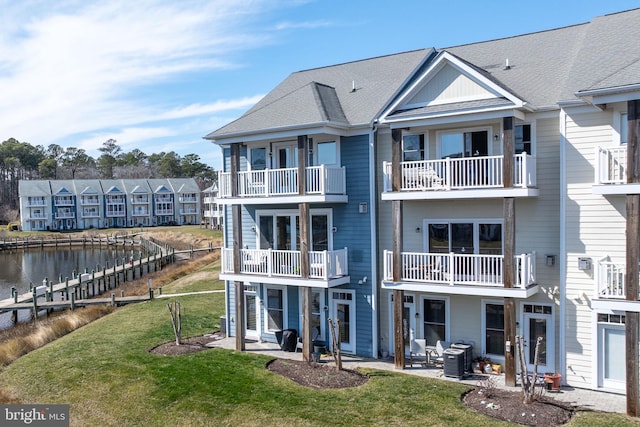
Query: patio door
(344, 310)
(538, 322)
(280, 232)
(285, 155)
(611, 351)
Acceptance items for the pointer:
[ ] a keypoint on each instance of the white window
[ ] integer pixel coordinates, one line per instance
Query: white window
(327, 153)
(467, 236)
(471, 143)
(493, 328)
(413, 148)
(624, 127)
(275, 308)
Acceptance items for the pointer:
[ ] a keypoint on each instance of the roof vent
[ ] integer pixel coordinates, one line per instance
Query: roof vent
(353, 86)
(506, 64)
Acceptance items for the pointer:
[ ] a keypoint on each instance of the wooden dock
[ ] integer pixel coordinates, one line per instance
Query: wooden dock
(82, 289)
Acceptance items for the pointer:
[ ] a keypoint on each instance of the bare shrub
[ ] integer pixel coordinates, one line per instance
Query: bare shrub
(488, 386)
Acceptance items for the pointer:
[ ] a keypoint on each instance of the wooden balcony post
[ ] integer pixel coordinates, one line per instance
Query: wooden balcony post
(632, 257)
(236, 218)
(305, 238)
(396, 220)
(509, 219)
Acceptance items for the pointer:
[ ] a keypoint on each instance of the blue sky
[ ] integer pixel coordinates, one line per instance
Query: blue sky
(158, 75)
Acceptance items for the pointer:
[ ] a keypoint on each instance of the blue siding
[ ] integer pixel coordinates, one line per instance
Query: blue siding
(354, 233)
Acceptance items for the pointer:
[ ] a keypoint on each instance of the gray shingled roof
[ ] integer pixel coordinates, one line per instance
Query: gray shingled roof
(545, 68)
(551, 66)
(325, 95)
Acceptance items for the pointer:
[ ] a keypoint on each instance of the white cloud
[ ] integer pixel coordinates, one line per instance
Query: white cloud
(76, 67)
(303, 24)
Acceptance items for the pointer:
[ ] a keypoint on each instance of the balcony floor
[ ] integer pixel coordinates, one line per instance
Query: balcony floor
(476, 193)
(289, 281)
(472, 290)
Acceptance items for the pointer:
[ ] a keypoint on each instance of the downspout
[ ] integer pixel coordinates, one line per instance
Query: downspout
(374, 237)
(563, 246)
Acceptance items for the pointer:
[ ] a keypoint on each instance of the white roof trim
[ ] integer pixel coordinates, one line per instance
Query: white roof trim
(438, 63)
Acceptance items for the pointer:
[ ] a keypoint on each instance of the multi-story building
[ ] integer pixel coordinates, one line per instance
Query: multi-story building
(93, 203)
(213, 212)
(485, 191)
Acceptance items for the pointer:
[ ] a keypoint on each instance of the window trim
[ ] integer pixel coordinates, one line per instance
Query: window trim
(447, 316)
(476, 235)
(293, 213)
(483, 327)
(487, 129)
(265, 311)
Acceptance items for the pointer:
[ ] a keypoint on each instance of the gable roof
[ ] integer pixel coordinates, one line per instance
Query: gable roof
(326, 95)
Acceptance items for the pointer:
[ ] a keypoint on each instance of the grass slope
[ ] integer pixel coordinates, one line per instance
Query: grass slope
(105, 372)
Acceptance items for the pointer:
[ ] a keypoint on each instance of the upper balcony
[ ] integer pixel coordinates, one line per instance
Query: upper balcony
(90, 201)
(610, 291)
(36, 201)
(188, 198)
(326, 268)
(140, 200)
(461, 274)
(324, 184)
(611, 172)
(461, 178)
(63, 201)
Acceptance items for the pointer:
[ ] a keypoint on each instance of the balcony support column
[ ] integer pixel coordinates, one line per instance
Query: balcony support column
(305, 238)
(396, 222)
(509, 219)
(632, 319)
(236, 219)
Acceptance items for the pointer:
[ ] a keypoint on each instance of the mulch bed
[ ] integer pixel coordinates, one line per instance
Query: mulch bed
(189, 345)
(501, 404)
(507, 405)
(316, 375)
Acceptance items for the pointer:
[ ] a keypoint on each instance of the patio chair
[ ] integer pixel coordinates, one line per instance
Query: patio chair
(441, 346)
(418, 352)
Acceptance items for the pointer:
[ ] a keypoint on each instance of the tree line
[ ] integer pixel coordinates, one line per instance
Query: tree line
(21, 160)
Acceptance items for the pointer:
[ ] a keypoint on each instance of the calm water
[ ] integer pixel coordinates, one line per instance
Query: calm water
(21, 267)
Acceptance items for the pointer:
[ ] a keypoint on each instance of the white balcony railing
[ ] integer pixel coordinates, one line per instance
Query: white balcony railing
(36, 202)
(37, 215)
(90, 214)
(269, 262)
(139, 200)
(115, 213)
(90, 201)
(188, 211)
(63, 201)
(460, 269)
(284, 182)
(188, 199)
(164, 211)
(461, 173)
(611, 165)
(610, 279)
(65, 214)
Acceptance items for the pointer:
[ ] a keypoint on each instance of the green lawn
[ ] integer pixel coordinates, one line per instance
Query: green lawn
(104, 370)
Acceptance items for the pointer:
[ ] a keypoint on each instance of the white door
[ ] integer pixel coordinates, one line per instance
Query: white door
(538, 322)
(408, 323)
(343, 309)
(251, 314)
(611, 356)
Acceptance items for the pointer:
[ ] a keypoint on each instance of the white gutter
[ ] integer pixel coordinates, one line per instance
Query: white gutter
(374, 240)
(563, 245)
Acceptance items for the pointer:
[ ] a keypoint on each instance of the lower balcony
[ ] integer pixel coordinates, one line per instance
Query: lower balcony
(461, 274)
(611, 172)
(326, 268)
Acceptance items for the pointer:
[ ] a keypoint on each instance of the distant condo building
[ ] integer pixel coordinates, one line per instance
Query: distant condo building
(106, 203)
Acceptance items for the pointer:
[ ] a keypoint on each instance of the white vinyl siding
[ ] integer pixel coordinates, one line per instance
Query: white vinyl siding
(587, 235)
